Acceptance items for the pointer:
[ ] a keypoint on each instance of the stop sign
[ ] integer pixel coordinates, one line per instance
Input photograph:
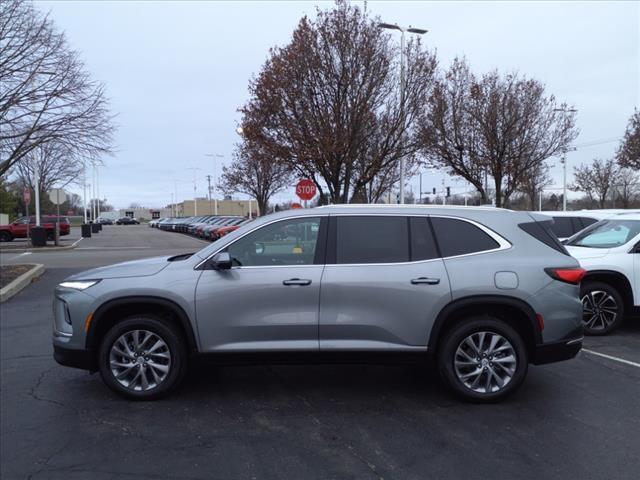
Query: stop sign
(306, 189)
(26, 195)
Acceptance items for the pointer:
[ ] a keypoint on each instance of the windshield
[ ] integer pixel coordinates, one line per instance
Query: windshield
(606, 234)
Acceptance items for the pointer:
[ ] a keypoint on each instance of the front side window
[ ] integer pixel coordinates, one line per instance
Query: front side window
(375, 239)
(607, 234)
(458, 237)
(289, 242)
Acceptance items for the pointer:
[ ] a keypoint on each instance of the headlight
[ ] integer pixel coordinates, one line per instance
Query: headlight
(79, 284)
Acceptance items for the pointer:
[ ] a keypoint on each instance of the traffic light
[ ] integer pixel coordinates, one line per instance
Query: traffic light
(448, 191)
(434, 190)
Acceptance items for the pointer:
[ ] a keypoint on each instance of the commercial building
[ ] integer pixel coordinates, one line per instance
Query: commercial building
(204, 206)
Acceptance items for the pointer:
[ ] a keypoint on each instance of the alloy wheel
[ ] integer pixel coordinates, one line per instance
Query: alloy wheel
(485, 362)
(599, 310)
(140, 360)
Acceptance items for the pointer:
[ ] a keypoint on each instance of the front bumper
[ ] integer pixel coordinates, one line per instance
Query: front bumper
(74, 358)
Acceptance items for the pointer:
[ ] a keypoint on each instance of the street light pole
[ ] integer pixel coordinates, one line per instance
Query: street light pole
(215, 179)
(566, 111)
(418, 31)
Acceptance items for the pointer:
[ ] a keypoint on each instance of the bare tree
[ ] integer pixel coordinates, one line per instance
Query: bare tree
(628, 154)
(596, 180)
(54, 164)
(46, 95)
(328, 104)
(627, 186)
(534, 181)
(502, 126)
(253, 172)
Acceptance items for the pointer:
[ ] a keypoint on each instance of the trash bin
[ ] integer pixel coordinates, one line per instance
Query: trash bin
(86, 230)
(99, 227)
(38, 237)
(94, 228)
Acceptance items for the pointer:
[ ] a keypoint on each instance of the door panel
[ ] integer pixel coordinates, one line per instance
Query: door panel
(381, 306)
(269, 299)
(250, 309)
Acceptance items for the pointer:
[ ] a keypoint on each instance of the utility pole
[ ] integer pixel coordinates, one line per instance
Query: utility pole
(209, 189)
(195, 199)
(215, 174)
(84, 189)
(419, 31)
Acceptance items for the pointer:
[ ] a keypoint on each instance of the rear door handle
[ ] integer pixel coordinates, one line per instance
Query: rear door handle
(425, 280)
(297, 281)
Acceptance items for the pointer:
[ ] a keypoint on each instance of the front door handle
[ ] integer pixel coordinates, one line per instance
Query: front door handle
(425, 280)
(297, 281)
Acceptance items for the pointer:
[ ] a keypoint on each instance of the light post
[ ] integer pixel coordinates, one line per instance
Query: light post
(566, 111)
(418, 31)
(195, 194)
(215, 179)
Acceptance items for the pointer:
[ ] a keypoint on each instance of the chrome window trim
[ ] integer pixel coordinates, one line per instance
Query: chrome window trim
(502, 242)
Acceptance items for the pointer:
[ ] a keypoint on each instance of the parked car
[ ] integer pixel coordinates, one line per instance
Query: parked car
(154, 222)
(104, 221)
(610, 252)
(568, 223)
(205, 231)
(21, 227)
(484, 291)
(220, 231)
(127, 221)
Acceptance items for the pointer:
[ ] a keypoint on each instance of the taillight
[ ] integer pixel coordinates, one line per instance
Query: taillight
(573, 275)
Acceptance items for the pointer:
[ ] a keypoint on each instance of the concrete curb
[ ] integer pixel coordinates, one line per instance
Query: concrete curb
(39, 249)
(21, 282)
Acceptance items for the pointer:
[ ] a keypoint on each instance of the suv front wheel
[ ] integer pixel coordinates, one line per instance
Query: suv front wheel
(483, 359)
(142, 358)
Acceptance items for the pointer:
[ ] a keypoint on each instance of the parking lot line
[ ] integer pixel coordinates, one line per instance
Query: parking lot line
(76, 242)
(615, 359)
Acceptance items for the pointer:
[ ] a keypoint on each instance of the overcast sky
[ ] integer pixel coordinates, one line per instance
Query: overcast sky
(176, 72)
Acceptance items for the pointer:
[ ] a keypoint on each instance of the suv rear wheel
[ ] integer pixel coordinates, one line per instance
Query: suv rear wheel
(483, 359)
(143, 358)
(602, 308)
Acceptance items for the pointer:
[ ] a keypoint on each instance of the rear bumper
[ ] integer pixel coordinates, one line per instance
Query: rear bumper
(559, 351)
(73, 358)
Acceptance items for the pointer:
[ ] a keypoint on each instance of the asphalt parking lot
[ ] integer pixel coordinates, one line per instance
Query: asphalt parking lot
(577, 419)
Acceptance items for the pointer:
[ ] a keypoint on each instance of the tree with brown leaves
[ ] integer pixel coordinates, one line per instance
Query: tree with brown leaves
(596, 180)
(327, 104)
(254, 173)
(46, 95)
(501, 125)
(628, 154)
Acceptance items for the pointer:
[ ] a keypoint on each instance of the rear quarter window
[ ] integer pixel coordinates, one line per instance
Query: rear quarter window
(562, 227)
(459, 237)
(541, 231)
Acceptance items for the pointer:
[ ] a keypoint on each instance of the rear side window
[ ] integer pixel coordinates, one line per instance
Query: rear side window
(541, 231)
(375, 239)
(423, 245)
(458, 237)
(562, 227)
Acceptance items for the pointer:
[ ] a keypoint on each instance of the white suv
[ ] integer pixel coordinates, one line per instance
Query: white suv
(610, 252)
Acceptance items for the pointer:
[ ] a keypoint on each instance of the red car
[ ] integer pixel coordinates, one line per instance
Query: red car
(20, 227)
(222, 231)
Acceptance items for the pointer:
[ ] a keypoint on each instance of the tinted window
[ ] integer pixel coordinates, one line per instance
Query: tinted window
(586, 221)
(289, 242)
(562, 227)
(541, 231)
(372, 239)
(423, 245)
(457, 237)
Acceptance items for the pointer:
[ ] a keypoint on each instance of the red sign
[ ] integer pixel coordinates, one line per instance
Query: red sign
(306, 189)
(26, 195)
(295, 205)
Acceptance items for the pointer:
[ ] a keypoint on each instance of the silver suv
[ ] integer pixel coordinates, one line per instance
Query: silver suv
(482, 291)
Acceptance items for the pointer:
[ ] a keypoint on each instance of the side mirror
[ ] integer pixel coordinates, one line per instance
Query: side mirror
(222, 261)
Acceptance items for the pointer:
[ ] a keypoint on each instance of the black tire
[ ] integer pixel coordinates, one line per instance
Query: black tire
(166, 332)
(453, 340)
(6, 237)
(601, 321)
